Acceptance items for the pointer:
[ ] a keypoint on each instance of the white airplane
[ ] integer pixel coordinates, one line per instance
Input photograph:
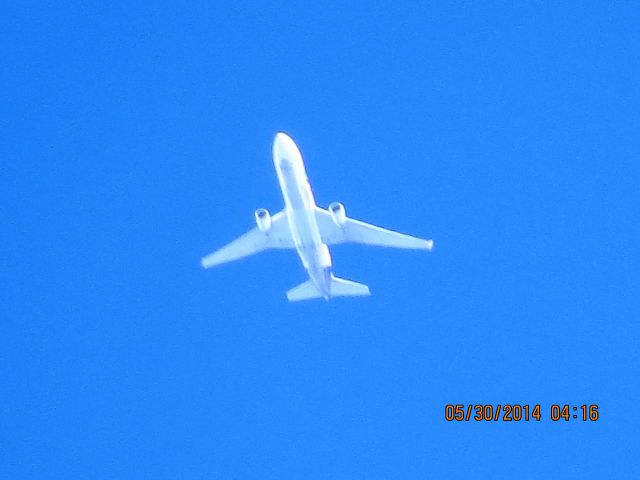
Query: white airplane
(309, 229)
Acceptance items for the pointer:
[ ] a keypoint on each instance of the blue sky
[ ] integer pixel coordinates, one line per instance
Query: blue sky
(136, 138)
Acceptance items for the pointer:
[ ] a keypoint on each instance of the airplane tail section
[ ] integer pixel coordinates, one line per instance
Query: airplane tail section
(339, 288)
(304, 291)
(346, 288)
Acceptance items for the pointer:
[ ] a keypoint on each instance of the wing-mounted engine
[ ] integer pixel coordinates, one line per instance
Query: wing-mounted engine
(263, 220)
(338, 213)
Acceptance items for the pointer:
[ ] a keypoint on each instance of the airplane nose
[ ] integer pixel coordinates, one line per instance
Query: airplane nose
(283, 146)
(282, 141)
(279, 143)
(281, 136)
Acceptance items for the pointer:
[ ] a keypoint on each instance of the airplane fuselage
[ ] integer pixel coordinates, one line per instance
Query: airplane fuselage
(309, 229)
(300, 207)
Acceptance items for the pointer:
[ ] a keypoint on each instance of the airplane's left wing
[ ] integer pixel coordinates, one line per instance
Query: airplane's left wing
(254, 241)
(355, 231)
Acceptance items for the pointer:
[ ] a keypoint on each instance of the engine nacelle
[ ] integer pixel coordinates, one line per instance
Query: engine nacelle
(338, 213)
(263, 219)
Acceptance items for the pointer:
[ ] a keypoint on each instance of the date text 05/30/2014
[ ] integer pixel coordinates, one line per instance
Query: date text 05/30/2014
(520, 412)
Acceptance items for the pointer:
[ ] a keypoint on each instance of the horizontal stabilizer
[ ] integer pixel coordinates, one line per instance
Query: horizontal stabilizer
(346, 288)
(304, 291)
(339, 288)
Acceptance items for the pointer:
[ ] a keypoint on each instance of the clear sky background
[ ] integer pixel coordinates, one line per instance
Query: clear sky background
(136, 138)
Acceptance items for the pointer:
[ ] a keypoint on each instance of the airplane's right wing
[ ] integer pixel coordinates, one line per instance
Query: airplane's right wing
(359, 232)
(254, 241)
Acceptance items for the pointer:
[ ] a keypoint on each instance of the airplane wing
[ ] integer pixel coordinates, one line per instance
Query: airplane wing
(356, 231)
(254, 241)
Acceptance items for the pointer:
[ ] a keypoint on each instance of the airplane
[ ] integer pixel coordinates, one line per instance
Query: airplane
(309, 229)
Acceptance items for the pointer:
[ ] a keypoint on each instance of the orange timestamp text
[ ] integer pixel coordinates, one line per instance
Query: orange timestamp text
(519, 412)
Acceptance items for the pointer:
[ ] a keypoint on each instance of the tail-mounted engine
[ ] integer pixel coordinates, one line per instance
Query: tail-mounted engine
(338, 213)
(263, 219)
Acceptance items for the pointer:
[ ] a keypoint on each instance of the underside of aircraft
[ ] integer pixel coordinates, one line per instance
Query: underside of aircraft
(309, 229)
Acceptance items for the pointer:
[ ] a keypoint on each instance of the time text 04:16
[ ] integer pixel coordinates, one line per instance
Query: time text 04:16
(517, 413)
